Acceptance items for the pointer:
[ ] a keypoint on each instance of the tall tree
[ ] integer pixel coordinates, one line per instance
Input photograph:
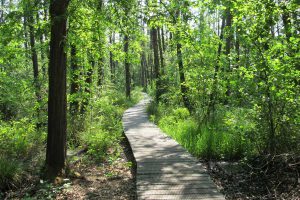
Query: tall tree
(183, 85)
(57, 123)
(154, 36)
(34, 56)
(127, 66)
(213, 94)
(161, 49)
(111, 60)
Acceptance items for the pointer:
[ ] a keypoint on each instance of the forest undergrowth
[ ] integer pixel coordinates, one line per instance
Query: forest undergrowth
(94, 152)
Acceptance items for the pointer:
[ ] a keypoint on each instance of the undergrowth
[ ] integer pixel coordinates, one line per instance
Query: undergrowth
(103, 123)
(19, 142)
(99, 130)
(229, 137)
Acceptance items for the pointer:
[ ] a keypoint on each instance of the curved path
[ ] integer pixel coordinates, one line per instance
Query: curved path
(165, 170)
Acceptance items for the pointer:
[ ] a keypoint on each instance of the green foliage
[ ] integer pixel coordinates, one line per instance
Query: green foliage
(231, 138)
(98, 142)
(18, 138)
(103, 122)
(14, 96)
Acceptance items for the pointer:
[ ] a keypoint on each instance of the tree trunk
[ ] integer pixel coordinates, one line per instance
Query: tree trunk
(111, 61)
(74, 104)
(163, 39)
(41, 38)
(286, 22)
(127, 66)
(143, 69)
(150, 57)
(183, 87)
(228, 47)
(269, 112)
(156, 63)
(34, 58)
(25, 34)
(29, 17)
(101, 71)
(57, 122)
(237, 48)
(212, 96)
(87, 88)
(161, 53)
(229, 35)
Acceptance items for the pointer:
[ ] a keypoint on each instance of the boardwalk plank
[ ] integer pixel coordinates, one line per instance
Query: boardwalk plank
(185, 191)
(181, 197)
(165, 170)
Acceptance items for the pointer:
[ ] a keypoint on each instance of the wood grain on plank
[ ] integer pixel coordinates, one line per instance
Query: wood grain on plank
(165, 170)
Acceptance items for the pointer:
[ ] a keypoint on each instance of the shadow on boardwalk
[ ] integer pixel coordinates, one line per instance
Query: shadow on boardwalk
(165, 170)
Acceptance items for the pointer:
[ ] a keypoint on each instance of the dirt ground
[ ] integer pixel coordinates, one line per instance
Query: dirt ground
(87, 179)
(261, 178)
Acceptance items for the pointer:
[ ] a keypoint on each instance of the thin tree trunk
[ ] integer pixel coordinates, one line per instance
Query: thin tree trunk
(25, 34)
(150, 57)
(163, 38)
(266, 71)
(156, 63)
(34, 59)
(161, 53)
(111, 61)
(41, 38)
(101, 71)
(237, 49)
(212, 97)
(286, 22)
(88, 85)
(74, 104)
(228, 47)
(143, 69)
(57, 122)
(127, 67)
(183, 87)
(229, 37)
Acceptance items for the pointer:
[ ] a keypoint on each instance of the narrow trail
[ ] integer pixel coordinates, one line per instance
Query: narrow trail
(165, 170)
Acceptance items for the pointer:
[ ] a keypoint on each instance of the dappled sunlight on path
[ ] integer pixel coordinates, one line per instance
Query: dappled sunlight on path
(165, 170)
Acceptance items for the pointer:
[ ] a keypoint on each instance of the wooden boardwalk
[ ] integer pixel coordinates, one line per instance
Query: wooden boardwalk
(165, 170)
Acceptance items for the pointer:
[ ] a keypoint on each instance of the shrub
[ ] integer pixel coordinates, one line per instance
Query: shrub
(18, 137)
(181, 113)
(98, 142)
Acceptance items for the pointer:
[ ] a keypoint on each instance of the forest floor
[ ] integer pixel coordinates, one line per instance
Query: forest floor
(261, 178)
(87, 180)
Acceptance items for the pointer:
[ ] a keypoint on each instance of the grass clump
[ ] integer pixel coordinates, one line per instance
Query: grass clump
(9, 172)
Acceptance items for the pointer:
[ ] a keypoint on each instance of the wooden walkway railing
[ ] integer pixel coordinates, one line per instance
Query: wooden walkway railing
(165, 170)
